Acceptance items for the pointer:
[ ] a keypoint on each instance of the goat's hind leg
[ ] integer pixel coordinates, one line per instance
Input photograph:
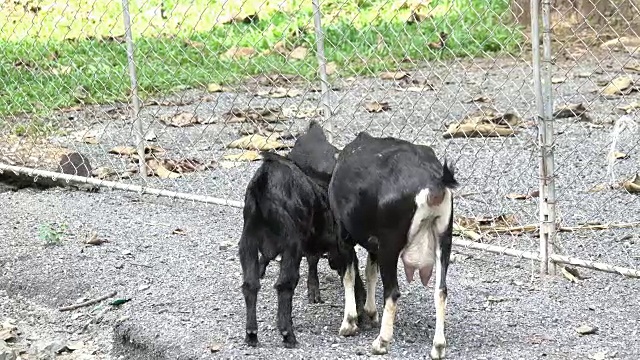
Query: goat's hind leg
(286, 284)
(371, 273)
(248, 254)
(313, 283)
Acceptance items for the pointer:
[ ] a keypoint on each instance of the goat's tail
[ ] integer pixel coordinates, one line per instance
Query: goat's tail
(248, 250)
(448, 179)
(434, 195)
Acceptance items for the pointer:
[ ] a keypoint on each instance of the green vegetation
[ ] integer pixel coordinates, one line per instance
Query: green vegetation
(52, 234)
(62, 53)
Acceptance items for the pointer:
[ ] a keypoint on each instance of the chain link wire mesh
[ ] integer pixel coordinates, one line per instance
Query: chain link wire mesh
(597, 134)
(220, 80)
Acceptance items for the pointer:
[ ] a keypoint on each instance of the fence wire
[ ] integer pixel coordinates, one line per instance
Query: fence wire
(219, 81)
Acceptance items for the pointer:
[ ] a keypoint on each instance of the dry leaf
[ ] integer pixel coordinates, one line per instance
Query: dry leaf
(485, 122)
(194, 44)
(130, 150)
(617, 155)
(239, 53)
(570, 274)
(477, 130)
(376, 106)
(251, 155)
(621, 43)
(516, 196)
(416, 17)
(278, 80)
(256, 142)
(331, 68)
(236, 115)
(482, 99)
(229, 164)
(441, 43)
(164, 173)
(633, 66)
(558, 79)
(627, 109)
(185, 165)
(179, 232)
(215, 87)
(103, 173)
(183, 119)
(569, 110)
(621, 85)
(299, 53)
(240, 18)
(397, 75)
(633, 185)
(280, 92)
(93, 239)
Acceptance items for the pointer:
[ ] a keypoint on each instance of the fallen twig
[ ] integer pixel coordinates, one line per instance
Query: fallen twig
(532, 228)
(599, 226)
(88, 302)
(142, 265)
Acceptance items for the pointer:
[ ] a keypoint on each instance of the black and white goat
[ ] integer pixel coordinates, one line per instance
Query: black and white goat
(394, 199)
(287, 213)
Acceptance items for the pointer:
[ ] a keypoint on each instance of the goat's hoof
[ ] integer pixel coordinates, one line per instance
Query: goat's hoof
(348, 328)
(289, 340)
(372, 316)
(379, 346)
(314, 297)
(251, 339)
(438, 350)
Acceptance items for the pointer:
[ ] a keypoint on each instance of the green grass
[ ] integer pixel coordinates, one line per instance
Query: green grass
(65, 59)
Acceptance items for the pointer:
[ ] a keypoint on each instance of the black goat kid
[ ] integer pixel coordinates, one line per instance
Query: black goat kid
(287, 213)
(394, 198)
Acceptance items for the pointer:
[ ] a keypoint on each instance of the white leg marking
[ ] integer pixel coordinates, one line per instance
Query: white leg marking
(371, 272)
(349, 326)
(381, 343)
(440, 300)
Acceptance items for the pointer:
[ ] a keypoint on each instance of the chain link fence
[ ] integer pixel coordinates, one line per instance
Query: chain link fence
(523, 96)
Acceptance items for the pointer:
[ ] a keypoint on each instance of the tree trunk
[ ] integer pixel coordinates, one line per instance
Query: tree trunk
(604, 19)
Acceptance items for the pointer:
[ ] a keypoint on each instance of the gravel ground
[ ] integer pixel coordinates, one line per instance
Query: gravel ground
(184, 288)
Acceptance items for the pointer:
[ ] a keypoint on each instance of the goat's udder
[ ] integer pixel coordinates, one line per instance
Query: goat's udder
(424, 272)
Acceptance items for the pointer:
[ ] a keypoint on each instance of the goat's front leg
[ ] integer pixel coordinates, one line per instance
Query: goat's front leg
(313, 283)
(388, 271)
(443, 253)
(371, 273)
(286, 284)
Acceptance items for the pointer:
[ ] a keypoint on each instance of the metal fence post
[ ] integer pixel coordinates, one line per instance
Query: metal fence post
(322, 68)
(549, 219)
(544, 105)
(135, 100)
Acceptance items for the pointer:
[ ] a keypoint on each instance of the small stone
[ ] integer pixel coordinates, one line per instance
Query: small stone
(225, 245)
(7, 353)
(143, 287)
(55, 347)
(119, 265)
(126, 252)
(360, 352)
(586, 329)
(215, 347)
